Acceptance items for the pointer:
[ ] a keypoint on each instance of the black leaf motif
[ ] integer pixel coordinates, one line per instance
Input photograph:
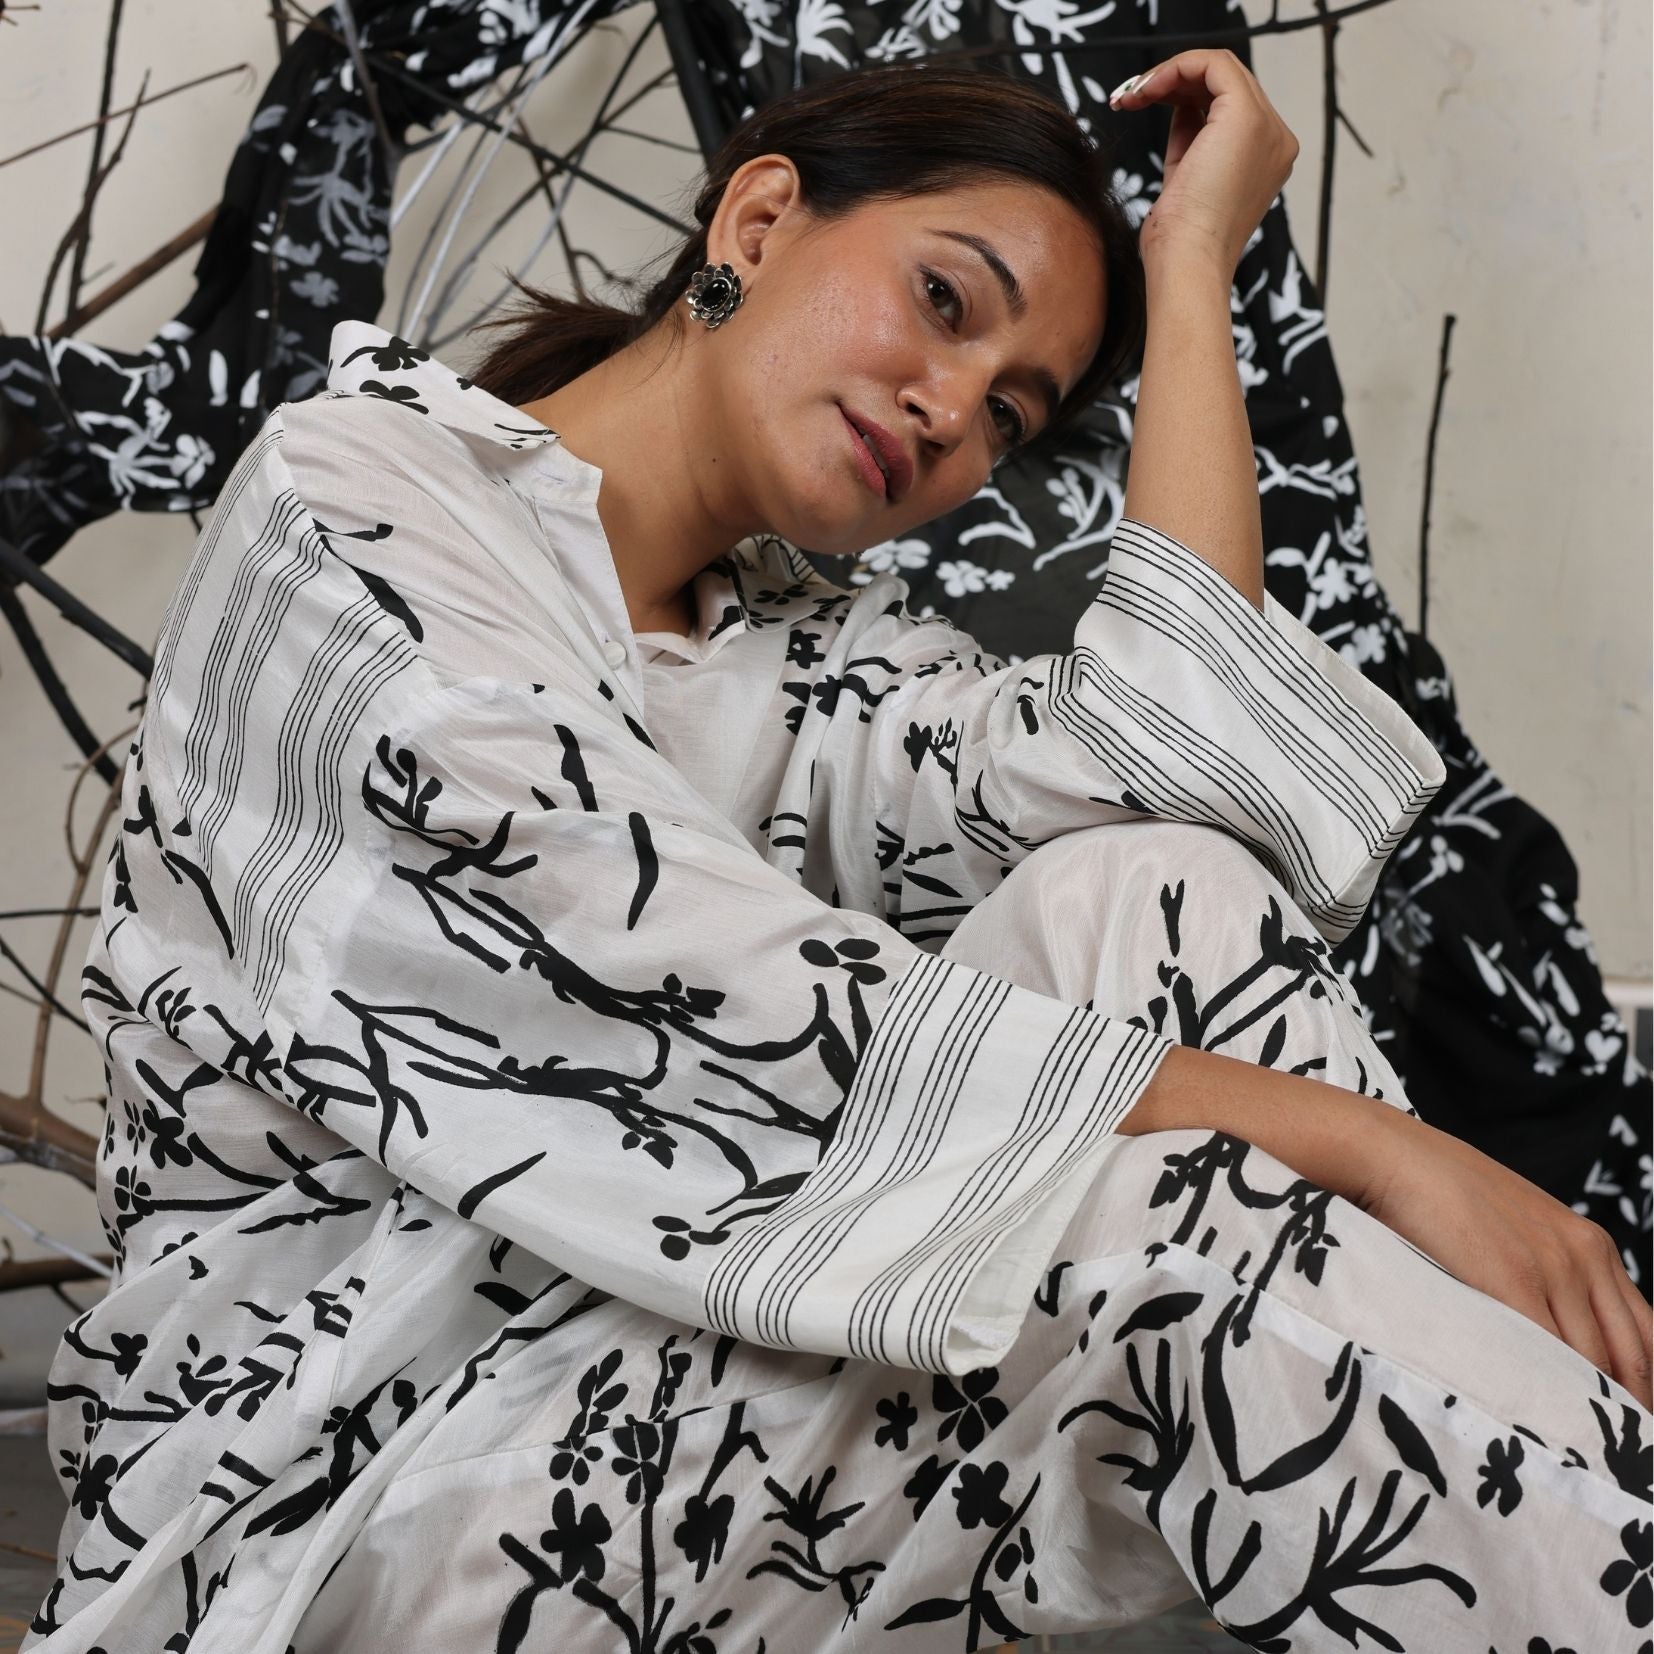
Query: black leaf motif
(1160, 1312)
(926, 1612)
(1410, 1444)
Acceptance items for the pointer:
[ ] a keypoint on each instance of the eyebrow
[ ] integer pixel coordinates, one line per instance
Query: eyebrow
(1045, 381)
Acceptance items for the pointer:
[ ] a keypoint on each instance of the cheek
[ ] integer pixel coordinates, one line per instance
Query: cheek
(959, 478)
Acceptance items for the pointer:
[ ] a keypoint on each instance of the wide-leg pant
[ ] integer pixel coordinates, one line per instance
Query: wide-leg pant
(1231, 1384)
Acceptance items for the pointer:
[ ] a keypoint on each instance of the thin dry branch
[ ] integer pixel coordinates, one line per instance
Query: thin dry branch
(80, 226)
(135, 277)
(115, 114)
(94, 177)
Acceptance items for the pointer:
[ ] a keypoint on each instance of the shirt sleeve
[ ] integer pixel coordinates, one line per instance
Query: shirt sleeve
(1179, 700)
(500, 945)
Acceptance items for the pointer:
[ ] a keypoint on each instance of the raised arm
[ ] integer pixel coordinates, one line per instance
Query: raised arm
(1192, 474)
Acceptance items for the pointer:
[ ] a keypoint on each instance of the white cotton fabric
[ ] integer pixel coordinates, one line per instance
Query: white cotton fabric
(445, 904)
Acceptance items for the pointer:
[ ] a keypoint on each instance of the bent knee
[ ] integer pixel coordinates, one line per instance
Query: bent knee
(1124, 857)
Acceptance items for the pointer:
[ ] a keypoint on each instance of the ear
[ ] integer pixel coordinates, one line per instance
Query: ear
(762, 206)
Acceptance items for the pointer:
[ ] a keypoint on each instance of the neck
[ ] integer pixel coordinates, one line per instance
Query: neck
(670, 501)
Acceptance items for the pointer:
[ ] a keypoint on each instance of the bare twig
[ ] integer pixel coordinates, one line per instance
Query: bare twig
(94, 181)
(83, 867)
(80, 226)
(558, 203)
(115, 114)
(19, 1276)
(1329, 148)
(135, 277)
(33, 1133)
(84, 1259)
(56, 691)
(370, 92)
(394, 71)
(15, 566)
(1430, 474)
(47, 1000)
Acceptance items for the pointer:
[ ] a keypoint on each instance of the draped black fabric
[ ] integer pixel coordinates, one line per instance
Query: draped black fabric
(298, 243)
(1480, 983)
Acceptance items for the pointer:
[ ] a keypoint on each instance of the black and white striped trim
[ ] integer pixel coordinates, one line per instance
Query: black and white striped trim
(971, 1131)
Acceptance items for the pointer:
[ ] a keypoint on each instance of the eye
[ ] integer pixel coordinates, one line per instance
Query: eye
(1008, 420)
(1010, 424)
(941, 293)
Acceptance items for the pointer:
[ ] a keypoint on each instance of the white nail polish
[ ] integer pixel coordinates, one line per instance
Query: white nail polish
(1124, 87)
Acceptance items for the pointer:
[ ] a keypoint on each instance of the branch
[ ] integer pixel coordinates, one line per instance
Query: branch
(80, 226)
(1430, 475)
(18, 1277)
(19, 566)
(1329, 144)
(135, 277)
(94, 182)
(57, 693)
(115, 114)
(38, 1137)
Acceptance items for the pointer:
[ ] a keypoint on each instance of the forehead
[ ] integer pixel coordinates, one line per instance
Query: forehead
(1051, 251)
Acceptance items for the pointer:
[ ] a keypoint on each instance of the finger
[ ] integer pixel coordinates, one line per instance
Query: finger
(1625, 1330)
(1641, 1312)
(1195, 77)
(1577, 1323)
(1186, 125)
(1533, 1305)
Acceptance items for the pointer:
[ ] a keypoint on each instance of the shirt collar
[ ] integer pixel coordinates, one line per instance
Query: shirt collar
(365, 360)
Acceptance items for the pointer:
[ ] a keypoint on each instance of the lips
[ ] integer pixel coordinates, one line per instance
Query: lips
(884, 460)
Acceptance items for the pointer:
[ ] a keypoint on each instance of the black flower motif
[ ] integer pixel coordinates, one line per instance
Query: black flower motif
(921, 1487)
(978, 1491)
(637, 1445)
(166, 1132)
(971, 1414)
(574, 1461)
(900, 1416)
(1499, 1476)
(704, 1529)
(849, 955)
(576, 1541)
(1630, 1573)
(131, 1192)
(803, 649)
(406, 395)
(129, 1349)
(396, 355)
(96, 1478)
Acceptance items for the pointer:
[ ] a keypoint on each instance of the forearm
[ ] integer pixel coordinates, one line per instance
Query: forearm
(1191, 473)
(1333, 1137)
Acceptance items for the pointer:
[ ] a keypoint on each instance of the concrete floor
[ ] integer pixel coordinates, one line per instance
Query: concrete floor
(31, 1507)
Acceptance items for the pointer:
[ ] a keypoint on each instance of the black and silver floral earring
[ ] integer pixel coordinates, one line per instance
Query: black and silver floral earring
(714, 294)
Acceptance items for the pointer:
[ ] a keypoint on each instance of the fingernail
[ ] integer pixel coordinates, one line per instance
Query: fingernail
(1123, 88)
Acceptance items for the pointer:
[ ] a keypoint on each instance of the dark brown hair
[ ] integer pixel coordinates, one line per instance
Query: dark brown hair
(872, 134)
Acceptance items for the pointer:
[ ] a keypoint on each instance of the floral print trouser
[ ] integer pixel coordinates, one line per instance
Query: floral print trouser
(1231, 1384)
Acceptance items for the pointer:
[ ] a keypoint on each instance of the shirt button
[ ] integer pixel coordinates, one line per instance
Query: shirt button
(614, 652)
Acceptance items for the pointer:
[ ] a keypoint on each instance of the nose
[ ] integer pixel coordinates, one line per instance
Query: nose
(942, 405)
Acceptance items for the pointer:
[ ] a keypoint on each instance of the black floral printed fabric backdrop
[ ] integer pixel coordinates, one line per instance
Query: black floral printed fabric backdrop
(1479, 980)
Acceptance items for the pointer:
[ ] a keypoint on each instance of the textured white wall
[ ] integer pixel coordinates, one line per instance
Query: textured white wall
(1509, 185)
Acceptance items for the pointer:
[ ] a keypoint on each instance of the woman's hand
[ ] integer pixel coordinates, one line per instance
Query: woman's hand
(1227, 158)
(1496, 1231)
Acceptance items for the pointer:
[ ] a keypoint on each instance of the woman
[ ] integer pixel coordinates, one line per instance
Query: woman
(660, 1103)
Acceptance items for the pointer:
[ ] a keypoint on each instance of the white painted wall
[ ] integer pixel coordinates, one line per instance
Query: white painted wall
(1509, 185)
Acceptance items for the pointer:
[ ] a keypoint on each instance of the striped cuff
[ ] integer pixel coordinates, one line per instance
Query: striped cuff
(975, 1124)
(1213, 712)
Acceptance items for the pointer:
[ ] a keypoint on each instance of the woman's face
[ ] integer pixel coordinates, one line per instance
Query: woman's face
(954, 322)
